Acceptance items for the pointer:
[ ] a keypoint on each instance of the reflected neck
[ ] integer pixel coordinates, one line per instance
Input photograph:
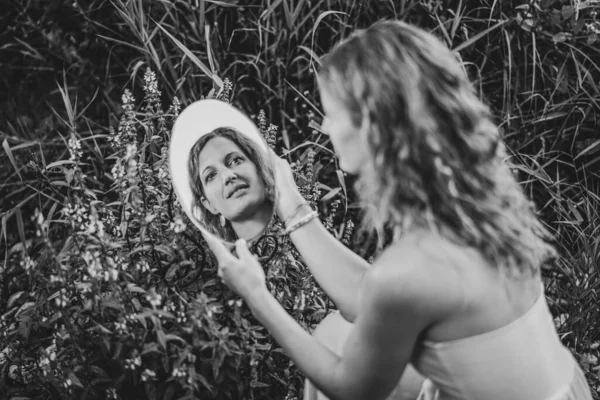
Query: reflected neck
(251, 228)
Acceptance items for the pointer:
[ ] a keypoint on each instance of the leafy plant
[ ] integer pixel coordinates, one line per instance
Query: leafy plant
(108, 237)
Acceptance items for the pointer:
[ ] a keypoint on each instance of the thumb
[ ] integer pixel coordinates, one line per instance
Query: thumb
(241, 248)
(215, 244)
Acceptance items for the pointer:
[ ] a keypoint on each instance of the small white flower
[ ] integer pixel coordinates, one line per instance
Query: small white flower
(155, 299)
(127, 100)
(27, 263)
(150, 84)
(178, 225)
(74, 145)
(142, 266)
(61, 299)
(176, 106)
(133, 364)
(179, 372)
(163, 174)
(148, 374)
(131, 150)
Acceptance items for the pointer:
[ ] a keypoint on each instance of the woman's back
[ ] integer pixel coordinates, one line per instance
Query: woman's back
(500, 342)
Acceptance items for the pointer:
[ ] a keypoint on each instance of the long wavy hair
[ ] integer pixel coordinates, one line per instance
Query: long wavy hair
(250, 150)
(436, 157)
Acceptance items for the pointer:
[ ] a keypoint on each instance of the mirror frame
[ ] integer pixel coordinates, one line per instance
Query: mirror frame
(197, 119)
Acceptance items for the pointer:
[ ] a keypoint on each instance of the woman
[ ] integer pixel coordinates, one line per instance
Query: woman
(232, 185)
(458, 293)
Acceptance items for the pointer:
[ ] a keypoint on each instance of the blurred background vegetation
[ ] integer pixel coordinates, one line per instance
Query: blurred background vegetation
(65, 65)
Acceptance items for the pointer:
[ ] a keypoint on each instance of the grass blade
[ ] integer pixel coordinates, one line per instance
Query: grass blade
(21, 227)
(587, 149)
(11, 158)
(313, 55)
(194, 59)
(475, 38)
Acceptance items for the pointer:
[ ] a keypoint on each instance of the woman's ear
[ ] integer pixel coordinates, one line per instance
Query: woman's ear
(208, 206)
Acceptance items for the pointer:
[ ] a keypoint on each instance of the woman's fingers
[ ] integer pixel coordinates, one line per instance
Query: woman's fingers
(241, 248)
(217, 247)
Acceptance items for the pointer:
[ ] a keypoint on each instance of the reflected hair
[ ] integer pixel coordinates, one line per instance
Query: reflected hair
(250, 150)
(436, 157)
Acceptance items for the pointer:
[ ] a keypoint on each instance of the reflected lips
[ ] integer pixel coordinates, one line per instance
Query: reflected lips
(237, 188)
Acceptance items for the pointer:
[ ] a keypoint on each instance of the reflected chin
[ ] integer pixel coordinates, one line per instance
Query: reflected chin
(241, 202)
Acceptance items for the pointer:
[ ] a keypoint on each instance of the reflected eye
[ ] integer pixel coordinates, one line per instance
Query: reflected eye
(209, 177)
(236, 160)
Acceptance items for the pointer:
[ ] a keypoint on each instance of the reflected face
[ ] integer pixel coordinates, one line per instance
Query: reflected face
(349, 141)
(231, 182)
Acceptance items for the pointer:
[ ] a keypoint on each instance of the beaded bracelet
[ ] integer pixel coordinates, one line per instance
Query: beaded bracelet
(302, 221)
(294, 213)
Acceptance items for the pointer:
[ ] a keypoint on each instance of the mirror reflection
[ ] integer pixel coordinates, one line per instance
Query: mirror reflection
(222, 172)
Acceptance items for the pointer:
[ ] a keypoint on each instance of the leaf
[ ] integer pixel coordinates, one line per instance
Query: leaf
(59, 163)
(21, 226)
(74, 380)
(193, 58)
(170, 336)
(231, 3)
(150, 390)
(204, 382)
(3, 235)
(313, 55)
(135, 289)
(11, 158)
(267, 13)
(13, 298)
(320, 18)
(331, 194)
(25, 307)
(340, 176)
(111, 304)
(169, 393)
(162, 339)
(587, 149)
(25, 327)
(51, 212)
(478, 36)
(150, 348)
(540, 174)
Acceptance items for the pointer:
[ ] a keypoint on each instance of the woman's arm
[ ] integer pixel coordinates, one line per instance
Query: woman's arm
(336, 268)
(378, 348)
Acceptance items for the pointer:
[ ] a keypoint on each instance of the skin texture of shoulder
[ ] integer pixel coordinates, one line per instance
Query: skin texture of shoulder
(405, 292)
(401, 295)
(421, 269)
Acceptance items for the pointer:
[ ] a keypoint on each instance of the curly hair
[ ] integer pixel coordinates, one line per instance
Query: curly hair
(251, 151)
(436, 157)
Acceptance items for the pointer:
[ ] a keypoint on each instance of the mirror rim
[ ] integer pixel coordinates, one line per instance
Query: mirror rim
(200, 118)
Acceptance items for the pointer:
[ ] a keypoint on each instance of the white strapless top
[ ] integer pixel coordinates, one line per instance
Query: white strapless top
(523, 360)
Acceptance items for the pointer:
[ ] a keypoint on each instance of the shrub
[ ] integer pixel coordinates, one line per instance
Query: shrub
(536, 63)
(129, 301)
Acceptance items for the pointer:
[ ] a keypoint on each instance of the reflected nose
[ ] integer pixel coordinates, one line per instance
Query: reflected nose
(228, 176)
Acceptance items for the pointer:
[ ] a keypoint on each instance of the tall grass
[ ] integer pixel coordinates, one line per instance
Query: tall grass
(66, 64)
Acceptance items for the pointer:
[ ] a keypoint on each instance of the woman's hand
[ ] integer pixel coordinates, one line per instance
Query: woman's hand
(244, 275)
(288, 195)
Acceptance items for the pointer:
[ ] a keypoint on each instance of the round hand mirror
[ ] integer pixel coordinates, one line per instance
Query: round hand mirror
(222, 172)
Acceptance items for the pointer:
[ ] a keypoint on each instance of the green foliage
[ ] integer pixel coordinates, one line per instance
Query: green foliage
(127, 300)
(81, 276)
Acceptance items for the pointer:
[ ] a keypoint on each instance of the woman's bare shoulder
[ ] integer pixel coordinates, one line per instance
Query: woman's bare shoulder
(420, 269)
